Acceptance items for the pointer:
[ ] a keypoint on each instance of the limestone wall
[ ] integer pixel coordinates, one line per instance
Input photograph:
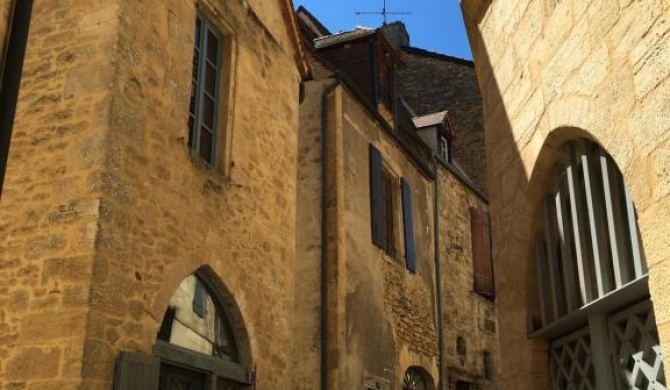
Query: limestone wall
(551, 71)
(105, 211)
(390, 311)
(465, 313)
(432, 82)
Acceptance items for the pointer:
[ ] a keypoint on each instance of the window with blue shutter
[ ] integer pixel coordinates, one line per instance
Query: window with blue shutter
(410, 255)
(383, 192)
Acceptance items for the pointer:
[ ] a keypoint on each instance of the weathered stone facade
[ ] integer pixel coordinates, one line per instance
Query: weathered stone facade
(381, 318)
(553, 71)
(105, 210)
(432, 82)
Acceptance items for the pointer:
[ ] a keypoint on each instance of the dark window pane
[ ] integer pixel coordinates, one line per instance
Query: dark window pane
(208, 113)
(192, 105)
(198, 32)
(210, 80)
(206, 143)
(191, 131)
(196, 60)
(212, 47)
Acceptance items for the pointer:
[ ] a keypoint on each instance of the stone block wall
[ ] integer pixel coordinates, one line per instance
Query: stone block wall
(465, 313)
(105, 210)
(431, 82)
(551, 71)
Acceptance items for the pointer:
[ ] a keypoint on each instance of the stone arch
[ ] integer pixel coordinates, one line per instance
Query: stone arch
(225, 298)
(621, 301)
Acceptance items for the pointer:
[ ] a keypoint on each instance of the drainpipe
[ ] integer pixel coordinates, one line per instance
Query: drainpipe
(438, 277)
(324, 231)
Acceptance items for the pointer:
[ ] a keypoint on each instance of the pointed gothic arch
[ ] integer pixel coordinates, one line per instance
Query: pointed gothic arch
(594, 308)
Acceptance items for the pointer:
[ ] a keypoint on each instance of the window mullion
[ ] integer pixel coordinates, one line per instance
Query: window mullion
(556, 283)
(202, 64)
(611, 222)
(576, 198)
(601, 352)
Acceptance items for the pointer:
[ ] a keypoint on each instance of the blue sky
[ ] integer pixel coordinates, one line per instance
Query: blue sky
(435, 25)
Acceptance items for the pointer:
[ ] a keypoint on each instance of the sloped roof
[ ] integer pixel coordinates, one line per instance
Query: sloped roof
(433, 119)
(343, 36)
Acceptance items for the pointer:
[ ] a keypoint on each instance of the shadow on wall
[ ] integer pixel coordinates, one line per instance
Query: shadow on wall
(520, 171)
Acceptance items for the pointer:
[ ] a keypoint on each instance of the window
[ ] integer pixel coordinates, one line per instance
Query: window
(444, 148)
(482, 260)
(417, 378)
(384, 192)
(592, 276)
(206, 80)
(197, 346)
(388, 193)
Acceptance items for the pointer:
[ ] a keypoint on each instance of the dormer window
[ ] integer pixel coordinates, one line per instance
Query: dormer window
(444, 148)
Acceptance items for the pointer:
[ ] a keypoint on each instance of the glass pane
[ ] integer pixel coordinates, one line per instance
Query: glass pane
(210, 80)
(191, 130)
(198, 32)
(192, 104)
(206, 143)
(196, 60)
(212, 47)
(208, 113)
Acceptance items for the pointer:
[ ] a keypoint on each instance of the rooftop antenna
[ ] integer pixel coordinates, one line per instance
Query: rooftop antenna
(384, 13)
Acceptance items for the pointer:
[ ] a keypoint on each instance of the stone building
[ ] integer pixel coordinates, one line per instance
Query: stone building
(405, 302)
(199, 194)
(576, 97)
(150, 190)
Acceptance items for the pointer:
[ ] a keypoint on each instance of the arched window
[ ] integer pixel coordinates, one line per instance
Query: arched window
(416, 378)
(197, 347)
(592, 279)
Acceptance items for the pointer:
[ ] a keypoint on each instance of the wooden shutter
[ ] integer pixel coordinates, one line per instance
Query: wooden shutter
(481, 252)
(377, 209)
(408, 224)
(136, 372)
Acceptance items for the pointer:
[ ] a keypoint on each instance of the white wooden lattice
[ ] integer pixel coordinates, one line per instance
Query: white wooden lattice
(571, 362)
(638, 356)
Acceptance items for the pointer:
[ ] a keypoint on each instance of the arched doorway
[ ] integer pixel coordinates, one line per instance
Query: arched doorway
(595, 311)
(201, 343)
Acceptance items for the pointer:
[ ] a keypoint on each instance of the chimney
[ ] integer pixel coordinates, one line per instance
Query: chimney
(396, 34)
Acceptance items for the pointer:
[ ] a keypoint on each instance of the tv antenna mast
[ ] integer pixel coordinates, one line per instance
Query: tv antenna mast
(384, 13)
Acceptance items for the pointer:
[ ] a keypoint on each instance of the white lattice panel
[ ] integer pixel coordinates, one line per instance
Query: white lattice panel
(571, 362)
(638, 356)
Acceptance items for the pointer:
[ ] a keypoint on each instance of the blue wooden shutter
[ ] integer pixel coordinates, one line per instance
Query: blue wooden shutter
(377, 209)
(136, 372)
(409, 224)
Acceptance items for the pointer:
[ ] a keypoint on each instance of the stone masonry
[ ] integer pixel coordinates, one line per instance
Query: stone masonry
(551, 71)
(105, 210)
(431, 82)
